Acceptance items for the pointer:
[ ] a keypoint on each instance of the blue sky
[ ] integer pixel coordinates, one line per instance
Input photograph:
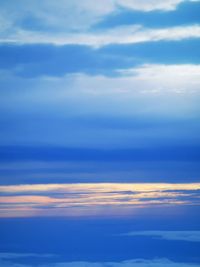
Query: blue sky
(99, 119)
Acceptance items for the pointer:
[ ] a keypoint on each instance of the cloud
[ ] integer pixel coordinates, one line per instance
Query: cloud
(131, 35)
(90, 199)
(100, 187)
(128, 263)
(30, 61)
(70, 21)
(11, 259)
(165, 78)
(161, 262)
(156, 79)
(63, 15)
(191, 236)
(145, 92)
(24, 255)
(145, 5)
(71, 14)
(148, 78)
(165, 83)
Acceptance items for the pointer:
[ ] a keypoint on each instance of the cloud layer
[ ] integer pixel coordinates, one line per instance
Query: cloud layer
(90, 199)
(10, 260)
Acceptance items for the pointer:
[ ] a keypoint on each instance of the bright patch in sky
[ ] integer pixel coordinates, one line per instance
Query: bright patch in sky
(92, 199)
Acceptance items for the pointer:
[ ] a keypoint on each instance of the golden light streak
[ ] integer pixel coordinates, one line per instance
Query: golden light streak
(92, 198)
(82, 187)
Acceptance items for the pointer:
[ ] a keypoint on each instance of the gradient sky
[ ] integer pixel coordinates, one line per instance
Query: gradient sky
(100, 133)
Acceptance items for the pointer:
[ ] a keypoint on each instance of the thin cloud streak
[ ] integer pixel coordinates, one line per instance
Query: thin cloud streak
(131, 35)
(190, 236)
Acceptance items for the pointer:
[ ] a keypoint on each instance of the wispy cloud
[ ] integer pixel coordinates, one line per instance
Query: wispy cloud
(67, 15)
(131, 35)
(146, 91)
(24, 255)
(191, 236)
(129, 263)
(149, 79)
(88, 199)
(145, 5)
(10, 260)
(146, 78)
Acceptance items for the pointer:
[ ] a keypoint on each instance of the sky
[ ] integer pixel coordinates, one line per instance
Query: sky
(100, 133)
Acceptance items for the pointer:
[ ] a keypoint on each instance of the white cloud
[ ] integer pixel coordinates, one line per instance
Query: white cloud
(55, 21)
(168, 91)
(75, 14)
(146, 89)
(149, 5)
(120, 35)
(193, 236)
(156, 79)
(147, 78)
(62, 15)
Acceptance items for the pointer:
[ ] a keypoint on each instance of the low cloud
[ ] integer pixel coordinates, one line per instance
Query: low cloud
(131, 263)
(191, 236)
(11, 261)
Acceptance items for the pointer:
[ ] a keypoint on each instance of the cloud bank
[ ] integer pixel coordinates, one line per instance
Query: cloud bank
(92, 199)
